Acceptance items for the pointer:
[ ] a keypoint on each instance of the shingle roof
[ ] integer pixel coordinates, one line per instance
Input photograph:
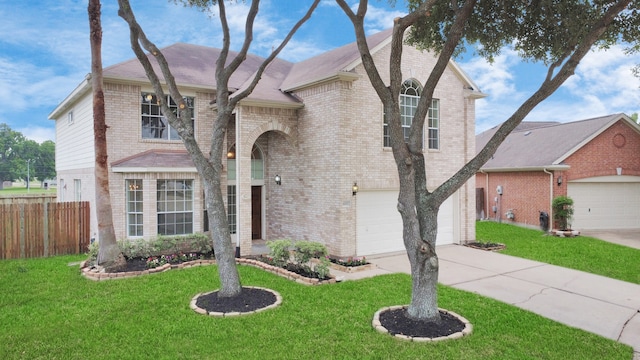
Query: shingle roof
(194, 66)
(542, 144)
(329, 63)
(156, 159)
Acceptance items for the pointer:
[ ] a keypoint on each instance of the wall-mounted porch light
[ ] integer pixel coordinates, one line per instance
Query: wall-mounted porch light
(559, 180)
(354, 188)
(278, 180)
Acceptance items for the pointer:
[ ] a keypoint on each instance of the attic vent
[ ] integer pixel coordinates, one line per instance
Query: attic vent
(527, 133)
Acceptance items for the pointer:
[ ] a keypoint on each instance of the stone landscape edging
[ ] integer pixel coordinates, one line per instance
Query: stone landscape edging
(199, 310)
(91, 273)
(468, 328)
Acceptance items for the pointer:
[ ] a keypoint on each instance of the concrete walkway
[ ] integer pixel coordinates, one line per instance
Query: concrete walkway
(604, 306)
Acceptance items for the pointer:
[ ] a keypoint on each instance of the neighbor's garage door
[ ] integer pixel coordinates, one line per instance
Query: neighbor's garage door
(379, 225)
(605, 205)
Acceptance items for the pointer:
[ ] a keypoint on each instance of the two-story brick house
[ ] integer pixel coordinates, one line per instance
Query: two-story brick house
(594, 161)
(299, 144)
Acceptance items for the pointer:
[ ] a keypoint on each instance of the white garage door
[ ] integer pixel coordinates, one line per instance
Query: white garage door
(379, 225)
(605, 205)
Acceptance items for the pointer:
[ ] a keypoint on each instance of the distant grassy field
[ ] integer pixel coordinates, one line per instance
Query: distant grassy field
(34, 190)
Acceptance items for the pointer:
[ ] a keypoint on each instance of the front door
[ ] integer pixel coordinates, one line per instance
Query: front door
(256, 212)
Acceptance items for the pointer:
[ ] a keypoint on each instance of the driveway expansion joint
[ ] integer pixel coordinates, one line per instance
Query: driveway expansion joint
(627, 323)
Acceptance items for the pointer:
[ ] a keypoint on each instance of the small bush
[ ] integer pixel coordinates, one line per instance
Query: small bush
(279, 251)
(562, 212)
(93, 252)
(165, 245)
(307, 250)
(323, 268)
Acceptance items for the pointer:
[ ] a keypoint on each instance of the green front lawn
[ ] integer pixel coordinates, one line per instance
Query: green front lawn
(581, 253)
(48, 311)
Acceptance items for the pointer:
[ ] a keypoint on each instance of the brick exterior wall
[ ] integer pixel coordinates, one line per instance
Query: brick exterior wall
(319, 150)
(617, 146)
(335, 140)
(528, 192)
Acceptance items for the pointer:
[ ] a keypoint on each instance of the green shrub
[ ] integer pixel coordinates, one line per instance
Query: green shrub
(139, 247)
(279, 251)
(322, 268)
(93, 252)
(562, 212)
(307, 250)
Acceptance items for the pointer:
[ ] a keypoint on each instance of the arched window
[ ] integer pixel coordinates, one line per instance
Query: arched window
(257, 163)
(409, 97)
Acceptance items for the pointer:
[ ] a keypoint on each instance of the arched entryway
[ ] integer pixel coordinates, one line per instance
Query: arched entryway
(257, 184)
(257, 193)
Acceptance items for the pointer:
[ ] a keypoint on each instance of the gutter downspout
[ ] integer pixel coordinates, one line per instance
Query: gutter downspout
(238, 189)
(550, 197)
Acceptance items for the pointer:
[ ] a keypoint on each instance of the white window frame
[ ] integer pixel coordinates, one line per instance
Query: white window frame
(77, 190)
(174, 200)
(158, 127)
(409, 97)
(134, 208)
(433, 125)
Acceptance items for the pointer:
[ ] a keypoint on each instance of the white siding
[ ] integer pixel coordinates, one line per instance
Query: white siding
(74, 142)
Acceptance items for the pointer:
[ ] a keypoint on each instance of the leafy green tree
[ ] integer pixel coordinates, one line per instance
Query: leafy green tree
(10, 160)
(45, 167)
(29, 153)
(209, 167)
(558, 33)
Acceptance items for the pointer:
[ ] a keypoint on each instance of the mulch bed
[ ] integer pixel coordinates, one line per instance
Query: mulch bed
(140, 264)
(396, 321)
(294, 268)
(489, 246)
(250, 299)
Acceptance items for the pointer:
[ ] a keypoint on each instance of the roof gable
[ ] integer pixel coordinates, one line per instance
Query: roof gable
(330, 63)
(547, 144)
(191, 65)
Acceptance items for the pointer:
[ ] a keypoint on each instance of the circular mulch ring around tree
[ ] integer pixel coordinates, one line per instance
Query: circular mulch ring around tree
(394, 321)
(251, 300)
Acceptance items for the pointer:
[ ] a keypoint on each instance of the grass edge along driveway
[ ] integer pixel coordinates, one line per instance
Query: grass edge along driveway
(582, 253)
(49, 311)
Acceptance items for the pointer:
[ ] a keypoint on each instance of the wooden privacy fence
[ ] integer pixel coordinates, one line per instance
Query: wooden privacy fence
(44, 229)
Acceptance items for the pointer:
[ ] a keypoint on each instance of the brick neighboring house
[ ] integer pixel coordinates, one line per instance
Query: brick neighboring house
(596, 162)
(317, 125)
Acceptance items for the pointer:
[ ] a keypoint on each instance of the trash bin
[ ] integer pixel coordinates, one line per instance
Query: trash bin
(544, 221)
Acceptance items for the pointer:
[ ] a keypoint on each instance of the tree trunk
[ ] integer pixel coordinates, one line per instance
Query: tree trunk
(422, 256)
(424, 287)
(224, 250)
(108, 254)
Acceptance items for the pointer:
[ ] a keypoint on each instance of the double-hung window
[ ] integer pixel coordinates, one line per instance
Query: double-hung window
(175, 207)
(154, 124)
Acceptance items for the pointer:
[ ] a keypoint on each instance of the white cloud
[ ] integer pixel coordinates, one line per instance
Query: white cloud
(380, 18)
(38, 133)
(603, 84)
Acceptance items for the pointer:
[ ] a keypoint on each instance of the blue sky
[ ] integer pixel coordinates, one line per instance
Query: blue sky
(44, 55)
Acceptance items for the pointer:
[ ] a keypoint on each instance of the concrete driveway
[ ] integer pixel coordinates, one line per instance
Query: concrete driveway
(626, 237)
